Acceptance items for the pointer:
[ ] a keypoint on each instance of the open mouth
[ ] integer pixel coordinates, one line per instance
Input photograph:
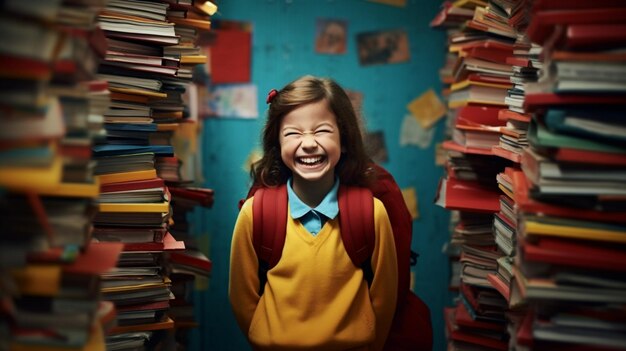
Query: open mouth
(310, 161)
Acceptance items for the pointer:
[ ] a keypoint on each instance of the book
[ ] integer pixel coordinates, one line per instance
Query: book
(105, 179)
(159, 207)
(527, 204)
(570, 253)
(537, 167)
(573, 228)
(467, 196)
(129, 234)
(192, 260)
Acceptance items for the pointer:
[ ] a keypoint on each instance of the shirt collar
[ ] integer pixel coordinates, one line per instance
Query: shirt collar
(329, 206)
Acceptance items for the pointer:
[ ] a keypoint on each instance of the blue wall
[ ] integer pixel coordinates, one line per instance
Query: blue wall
(283, 49)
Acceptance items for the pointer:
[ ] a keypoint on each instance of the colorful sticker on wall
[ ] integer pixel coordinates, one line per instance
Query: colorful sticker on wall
(410, 198)
(231, 101)
(397, 3)
(382, 47)
(331, 36)
(427, 108)
(375, 146)
(412, 133)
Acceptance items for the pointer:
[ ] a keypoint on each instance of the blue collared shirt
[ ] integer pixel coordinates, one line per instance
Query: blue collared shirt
(313, 219)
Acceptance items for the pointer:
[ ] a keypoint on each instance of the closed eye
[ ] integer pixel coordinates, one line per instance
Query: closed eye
(323, 131)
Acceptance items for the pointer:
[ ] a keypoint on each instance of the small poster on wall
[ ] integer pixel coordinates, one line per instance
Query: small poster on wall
(230, 101)
(383, 47)
(331, 36)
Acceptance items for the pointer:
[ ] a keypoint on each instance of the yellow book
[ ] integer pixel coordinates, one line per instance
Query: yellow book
(461, 103)
(506, 191)
(190, 22)
(161, 127)
(32, 178)
(38, 280)
(142, 92)
(193, 59)
(469, 3)
(575, 231)
(133, 287)
(91, 190)
(126, 176)
(206, 7)
(466, 83)
(134, 207)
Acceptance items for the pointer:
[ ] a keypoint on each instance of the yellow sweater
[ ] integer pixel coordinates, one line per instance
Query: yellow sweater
(315, 298)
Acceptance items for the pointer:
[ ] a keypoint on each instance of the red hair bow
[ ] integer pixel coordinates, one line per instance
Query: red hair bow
(271, 95)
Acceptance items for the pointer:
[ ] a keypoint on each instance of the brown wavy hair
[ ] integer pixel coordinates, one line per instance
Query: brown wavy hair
(354, 165)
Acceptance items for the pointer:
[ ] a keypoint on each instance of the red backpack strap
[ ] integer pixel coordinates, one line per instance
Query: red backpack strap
(269, 224)
(356, 221)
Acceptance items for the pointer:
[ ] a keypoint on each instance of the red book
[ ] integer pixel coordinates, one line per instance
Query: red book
(574, 254)
(536, 101)
(479, 115)
(96, 259)
(192, 258)
(456, 334)
(24, 68)
(451, 145)
(543, 23)
(585, 156)
(500, 285)
(158, 305)
(527, 204)
(492, 55)
(542, 5)
(169, 243)
(133, 185)
(203, 197)
(455, 194)
(463, 319)
(588, 36)
(506, 114)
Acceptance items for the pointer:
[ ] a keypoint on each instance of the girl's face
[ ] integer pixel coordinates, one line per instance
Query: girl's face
(310, 144)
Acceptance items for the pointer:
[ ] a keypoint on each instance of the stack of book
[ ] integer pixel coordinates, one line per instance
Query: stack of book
(570, 192)
(487, 134)
(53, 107)
(148, 64)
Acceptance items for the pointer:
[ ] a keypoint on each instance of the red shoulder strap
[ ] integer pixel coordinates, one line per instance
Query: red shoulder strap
(269, 223)
(356, 220)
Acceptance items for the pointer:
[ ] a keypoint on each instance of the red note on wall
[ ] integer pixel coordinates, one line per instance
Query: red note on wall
(230, 56)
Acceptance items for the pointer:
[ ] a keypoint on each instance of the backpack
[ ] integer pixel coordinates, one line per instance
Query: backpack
(411, 327)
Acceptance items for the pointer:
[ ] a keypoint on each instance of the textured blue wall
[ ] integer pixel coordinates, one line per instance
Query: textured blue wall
(283, 49)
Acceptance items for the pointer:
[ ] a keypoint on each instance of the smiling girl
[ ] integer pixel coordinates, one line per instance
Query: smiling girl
(314, 298)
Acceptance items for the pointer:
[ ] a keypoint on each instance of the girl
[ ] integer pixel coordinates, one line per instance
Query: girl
(315, 298)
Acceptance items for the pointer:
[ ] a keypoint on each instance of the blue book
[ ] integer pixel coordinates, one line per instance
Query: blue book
(113, 150)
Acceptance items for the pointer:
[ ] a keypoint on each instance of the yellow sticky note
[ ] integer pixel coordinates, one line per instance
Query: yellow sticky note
(254, 156)
(410, 198)
(427, 108)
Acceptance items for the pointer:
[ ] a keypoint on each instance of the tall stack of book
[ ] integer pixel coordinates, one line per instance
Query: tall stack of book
(571, 189)
(559, 228)
(148, 64)
(52, 107)
(486, 137)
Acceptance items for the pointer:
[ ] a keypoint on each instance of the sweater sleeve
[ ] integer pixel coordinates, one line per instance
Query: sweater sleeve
(383, 289)
(243, 280)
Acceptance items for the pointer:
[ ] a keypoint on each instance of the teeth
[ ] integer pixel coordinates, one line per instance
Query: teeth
(310, 160)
